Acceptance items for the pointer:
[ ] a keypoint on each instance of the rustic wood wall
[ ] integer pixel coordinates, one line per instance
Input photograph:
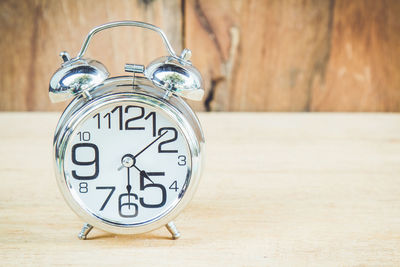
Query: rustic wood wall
(258, 55)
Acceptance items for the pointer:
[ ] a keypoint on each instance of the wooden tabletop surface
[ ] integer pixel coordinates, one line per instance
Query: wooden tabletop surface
(278, 189)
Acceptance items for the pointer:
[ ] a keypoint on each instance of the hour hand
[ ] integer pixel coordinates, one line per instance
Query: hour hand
(144, 174)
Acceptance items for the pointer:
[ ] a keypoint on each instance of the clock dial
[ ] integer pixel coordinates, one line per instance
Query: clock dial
(127, 163)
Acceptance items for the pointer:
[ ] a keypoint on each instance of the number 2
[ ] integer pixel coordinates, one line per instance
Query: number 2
(160, 149)
(131, 120)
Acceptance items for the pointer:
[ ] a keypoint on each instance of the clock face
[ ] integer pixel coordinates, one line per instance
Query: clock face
(127, 163)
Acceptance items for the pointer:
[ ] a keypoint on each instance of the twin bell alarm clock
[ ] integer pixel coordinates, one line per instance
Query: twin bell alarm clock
(128, 149)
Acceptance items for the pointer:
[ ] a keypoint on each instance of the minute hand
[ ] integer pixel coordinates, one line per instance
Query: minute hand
(141, 151)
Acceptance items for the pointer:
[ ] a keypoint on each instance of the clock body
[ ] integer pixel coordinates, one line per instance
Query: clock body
(129, 158)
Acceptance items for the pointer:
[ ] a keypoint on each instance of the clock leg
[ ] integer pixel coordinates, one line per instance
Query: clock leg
(173, 230)
(85, 231)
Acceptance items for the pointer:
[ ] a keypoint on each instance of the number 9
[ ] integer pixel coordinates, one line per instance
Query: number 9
(95, 161)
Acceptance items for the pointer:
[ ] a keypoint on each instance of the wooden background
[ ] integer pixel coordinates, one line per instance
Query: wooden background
(259, 55)
(305, 190)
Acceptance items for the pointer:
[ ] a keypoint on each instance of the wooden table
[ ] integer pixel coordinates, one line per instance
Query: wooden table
(278, 189)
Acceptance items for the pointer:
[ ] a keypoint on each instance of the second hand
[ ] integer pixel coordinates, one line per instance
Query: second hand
(129, 188)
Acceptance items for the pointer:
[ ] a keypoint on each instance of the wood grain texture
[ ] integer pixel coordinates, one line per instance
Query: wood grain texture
(257, 55)
(35, 32)
(305, 189)
(363, 72)
(297, 55)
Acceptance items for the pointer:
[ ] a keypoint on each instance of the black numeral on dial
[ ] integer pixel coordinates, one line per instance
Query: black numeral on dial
(152, 115)
(182, 160)
(84, 136)
(174, 137)
(174, 186)
(126, 207)
(131, 120)
(119, 108)
(143, 186)
(83, 187)
(128, 125)
(112, 188)
(94, 162)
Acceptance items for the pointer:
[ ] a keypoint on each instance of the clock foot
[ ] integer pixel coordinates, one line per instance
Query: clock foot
(173, 230)
(85, 231)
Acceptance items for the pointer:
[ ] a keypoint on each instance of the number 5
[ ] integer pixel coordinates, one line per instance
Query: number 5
(160, 186)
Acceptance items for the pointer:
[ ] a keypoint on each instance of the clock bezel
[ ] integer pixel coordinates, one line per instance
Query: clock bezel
(76, 114)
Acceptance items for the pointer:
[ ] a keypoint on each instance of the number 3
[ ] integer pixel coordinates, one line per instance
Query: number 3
(182, 160)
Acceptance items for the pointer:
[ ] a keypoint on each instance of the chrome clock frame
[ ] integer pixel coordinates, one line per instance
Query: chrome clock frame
(161, 85)
(139, 90)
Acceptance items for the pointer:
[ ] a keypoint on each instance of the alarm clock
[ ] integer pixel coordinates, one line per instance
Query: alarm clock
(128, 150)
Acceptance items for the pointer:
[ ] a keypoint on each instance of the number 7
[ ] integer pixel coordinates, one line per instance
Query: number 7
(112, 188)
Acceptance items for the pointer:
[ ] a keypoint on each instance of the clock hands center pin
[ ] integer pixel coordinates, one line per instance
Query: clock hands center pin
(128, 161)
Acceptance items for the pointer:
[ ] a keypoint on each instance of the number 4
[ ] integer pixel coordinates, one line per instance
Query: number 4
(174, 186)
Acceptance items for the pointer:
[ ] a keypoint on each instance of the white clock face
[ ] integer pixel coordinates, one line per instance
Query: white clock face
(127, 163)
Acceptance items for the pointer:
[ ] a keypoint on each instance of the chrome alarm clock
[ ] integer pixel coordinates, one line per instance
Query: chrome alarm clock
(128, 150)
